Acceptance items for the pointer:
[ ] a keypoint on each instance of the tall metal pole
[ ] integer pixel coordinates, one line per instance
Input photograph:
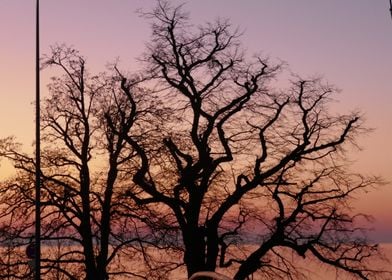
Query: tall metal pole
(37, 259)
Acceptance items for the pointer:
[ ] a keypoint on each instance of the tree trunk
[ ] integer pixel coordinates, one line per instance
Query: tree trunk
(194, 256)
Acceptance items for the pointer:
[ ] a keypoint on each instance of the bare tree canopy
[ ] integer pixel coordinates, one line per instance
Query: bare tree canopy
(87, 222)
(201, 161)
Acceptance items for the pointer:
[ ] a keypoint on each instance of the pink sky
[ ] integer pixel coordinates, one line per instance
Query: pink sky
(347, 42)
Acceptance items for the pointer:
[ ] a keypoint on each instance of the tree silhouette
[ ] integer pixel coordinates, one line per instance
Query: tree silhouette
(201, 161)
(240, 162)
(88, 225)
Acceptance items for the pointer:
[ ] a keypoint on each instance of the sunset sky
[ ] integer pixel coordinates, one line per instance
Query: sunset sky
(349, 43)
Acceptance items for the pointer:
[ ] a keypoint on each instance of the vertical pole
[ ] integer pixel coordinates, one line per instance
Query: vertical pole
(37, 259)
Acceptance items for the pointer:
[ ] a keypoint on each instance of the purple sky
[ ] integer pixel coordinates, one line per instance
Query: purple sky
(348, 42)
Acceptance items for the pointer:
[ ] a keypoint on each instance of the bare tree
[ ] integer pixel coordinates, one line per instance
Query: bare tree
(241, 170)
(88, 224)
(203, 163)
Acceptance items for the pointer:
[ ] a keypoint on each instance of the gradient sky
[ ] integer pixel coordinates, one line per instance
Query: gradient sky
(348, 42)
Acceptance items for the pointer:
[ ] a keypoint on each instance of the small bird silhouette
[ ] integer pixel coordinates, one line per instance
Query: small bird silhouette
(390, 7)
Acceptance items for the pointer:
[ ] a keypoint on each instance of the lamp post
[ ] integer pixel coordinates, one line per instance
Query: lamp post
(37, 253)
